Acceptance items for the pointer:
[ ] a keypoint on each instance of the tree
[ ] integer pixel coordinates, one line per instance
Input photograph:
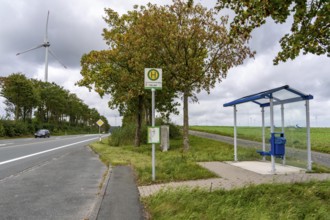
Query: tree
(49, 103)
(186, 41)
(119, 71)
(21, 97)
(194, 48)
(53, 102)
(310, 30)
(74, 110)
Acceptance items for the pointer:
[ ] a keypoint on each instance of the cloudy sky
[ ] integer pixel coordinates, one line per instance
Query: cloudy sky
(75, 28)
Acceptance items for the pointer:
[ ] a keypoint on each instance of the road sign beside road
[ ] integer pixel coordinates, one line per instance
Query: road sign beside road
(152, 78)
(99, 122)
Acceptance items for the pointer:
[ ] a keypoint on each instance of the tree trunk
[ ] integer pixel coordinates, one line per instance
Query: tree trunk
(24, 113)
(16, 112)
(185, 122)
(137, 141)
(148, 115)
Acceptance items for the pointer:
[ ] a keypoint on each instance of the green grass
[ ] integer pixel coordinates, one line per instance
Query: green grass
(296, 137)
(268, 201)
(174, 165)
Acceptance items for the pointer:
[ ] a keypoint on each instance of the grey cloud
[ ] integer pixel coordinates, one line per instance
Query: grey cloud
(75, 28)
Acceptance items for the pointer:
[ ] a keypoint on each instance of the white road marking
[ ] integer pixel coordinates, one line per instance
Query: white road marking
(42, 140)
(5, 144)
(42, 152)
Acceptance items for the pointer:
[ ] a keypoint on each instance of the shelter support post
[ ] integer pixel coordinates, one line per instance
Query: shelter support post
(309, 151)
(282, 123)
(272, 129)
(263, 132)
(282, 117)
(235, 133)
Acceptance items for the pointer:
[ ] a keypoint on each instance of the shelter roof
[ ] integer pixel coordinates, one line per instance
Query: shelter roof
(281, 95)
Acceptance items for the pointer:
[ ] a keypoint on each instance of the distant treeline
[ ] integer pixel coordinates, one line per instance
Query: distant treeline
(33, 104)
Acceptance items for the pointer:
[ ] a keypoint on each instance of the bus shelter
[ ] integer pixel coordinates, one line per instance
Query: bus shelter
(268, 99)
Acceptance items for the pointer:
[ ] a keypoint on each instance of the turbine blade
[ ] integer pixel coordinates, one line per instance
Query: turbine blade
(58, 60)
(46, 32)
(41, 45)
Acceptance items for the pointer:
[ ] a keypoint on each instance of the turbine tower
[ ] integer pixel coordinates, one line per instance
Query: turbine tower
(46, 45)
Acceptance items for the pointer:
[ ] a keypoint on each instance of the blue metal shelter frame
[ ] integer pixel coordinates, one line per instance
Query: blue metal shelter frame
(277, 96)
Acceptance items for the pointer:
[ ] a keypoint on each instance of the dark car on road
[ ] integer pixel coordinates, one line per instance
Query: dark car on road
(42, 133)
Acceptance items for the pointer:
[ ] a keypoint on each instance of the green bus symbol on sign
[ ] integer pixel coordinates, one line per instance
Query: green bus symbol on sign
(153, 74)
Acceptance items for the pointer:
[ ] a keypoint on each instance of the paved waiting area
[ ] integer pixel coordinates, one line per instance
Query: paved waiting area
(264, 167)
(239, 174)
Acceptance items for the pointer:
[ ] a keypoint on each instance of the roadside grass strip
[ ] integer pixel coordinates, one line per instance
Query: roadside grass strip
(173, 165)
(267, 201)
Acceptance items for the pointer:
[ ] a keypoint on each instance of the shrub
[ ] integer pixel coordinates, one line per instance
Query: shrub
(12, 128)
(21, 128)
(123, 135)
(2, 130)
(175, 130)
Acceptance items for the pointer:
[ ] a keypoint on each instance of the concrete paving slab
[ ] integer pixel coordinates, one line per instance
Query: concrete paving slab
(265, 167)
(121, 199)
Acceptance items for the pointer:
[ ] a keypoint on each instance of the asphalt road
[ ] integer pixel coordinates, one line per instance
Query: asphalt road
(49, 178)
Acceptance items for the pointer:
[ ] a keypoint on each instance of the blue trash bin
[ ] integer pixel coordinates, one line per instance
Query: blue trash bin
(277, 144)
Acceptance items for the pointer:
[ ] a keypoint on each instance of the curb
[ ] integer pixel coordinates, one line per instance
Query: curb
(96, 208)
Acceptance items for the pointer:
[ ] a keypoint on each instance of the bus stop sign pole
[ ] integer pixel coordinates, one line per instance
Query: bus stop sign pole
(153, 81)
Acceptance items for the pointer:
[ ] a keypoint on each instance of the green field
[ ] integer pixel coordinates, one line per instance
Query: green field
(296, 137)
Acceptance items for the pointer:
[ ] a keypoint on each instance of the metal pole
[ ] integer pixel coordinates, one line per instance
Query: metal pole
(272, 129)
(100, 133)
(153, 124)
(282, 117)
(282, 123)
(271, 115)
(235, 134)
(309, 152)
(263, 131)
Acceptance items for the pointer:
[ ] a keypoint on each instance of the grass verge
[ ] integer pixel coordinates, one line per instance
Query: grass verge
(174, 165)
(268, 201)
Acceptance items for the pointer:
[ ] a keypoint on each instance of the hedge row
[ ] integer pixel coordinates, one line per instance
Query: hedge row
(10, 128)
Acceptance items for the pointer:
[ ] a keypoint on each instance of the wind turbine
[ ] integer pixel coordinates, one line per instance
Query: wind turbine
(46, 45)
